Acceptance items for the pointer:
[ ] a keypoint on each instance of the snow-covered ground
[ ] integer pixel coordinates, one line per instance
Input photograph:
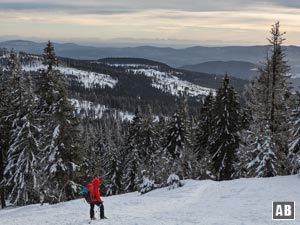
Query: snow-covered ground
(237, 202)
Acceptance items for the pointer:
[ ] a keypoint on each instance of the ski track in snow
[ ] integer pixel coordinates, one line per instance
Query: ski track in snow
(237, 202)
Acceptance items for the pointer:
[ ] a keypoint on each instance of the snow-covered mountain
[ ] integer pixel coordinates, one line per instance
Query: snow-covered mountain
(166, 81)
(236, 202)
(87, 79)
(122, 83)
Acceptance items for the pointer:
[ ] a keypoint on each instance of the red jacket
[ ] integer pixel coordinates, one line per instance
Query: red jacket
(94, 190)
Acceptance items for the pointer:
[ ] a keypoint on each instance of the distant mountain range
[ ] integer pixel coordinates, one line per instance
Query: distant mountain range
(239, 59)
(243, 70)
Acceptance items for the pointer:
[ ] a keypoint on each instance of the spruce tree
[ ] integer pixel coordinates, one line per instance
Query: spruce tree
(22, 168)
(224, 139)
(133, 159)
(112, 160)
(150, 147)
(10, 92)
(61, 153)
(177, 138)
(294, 145)
(5, 128)
(203, 132)
(177, 143)
(269, 103)
(20, 134)
(92, 142)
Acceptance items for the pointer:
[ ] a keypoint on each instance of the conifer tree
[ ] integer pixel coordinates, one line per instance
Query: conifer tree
(92, 142)
(294, 145)
(224, 139)
(112, 160)
(10, 92)
(177, 138)
(177, 143)
(269, 102)
(22, 167)
(204, 126)
(61, 135)
(21, 170)
(133, 159)
(203, 132)
(5, 128)
(150, 147)
(10, 75)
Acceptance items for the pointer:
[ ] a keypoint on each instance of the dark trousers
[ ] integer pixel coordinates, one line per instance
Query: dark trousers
(101, 206)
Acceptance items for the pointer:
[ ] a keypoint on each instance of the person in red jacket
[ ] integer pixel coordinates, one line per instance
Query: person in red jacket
(96, 198)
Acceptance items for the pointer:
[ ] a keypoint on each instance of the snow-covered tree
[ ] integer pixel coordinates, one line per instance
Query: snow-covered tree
(265, 163)
(203, 132)
(5, 125)
(132, 152)
(177, 139)
(150, 147)
(174, 181)
(204, 126)
(294, 145)
(147, 185)
(269, 103)
(112, 161)
(114, 174)
(22, 170)
(177, 144)
(224, 140)
(61, 135)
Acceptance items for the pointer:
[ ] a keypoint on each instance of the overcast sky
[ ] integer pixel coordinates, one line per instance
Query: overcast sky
(202, 22)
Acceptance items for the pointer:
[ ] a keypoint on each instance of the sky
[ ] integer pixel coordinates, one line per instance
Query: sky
(178, 22)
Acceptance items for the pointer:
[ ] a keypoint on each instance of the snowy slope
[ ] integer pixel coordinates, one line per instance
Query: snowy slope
(166, 81)
(237, 202)
(88, 79)
(169, 83)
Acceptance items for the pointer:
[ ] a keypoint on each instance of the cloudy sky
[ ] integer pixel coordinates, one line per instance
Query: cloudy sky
(202, 22)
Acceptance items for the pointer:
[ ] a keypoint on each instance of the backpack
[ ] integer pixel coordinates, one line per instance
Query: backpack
(86, 194)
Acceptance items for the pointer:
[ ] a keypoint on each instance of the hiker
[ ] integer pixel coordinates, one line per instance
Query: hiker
(93, 189)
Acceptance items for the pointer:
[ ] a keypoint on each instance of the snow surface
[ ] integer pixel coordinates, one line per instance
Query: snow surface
(237, 202)
(88, 79)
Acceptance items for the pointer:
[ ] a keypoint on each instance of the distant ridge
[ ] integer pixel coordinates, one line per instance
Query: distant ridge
(239, 69)
(170, 56)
